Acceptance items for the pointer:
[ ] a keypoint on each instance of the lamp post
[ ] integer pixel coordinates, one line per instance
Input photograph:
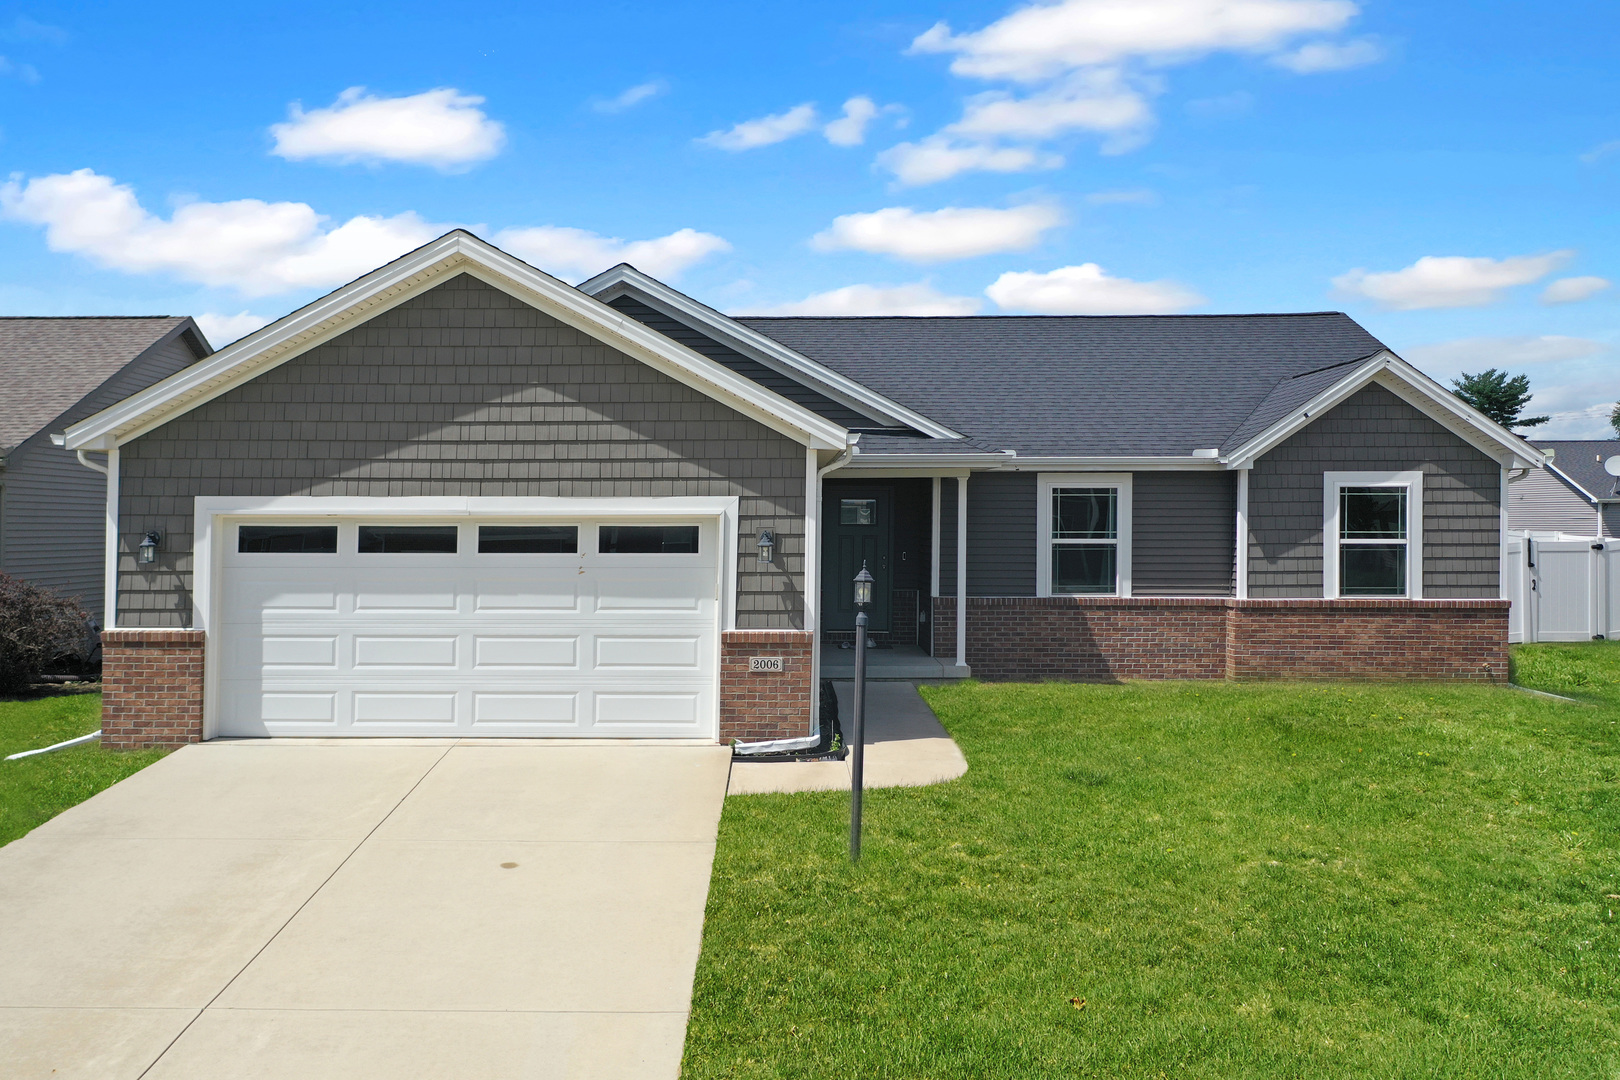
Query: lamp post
(863, 597)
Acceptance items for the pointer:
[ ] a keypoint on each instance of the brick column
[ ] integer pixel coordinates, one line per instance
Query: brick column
(152, 688)
(757, 705)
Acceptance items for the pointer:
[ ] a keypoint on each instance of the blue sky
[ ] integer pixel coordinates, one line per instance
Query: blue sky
(1445, 173)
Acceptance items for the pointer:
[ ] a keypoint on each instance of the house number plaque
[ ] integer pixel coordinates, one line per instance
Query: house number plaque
(764, 663)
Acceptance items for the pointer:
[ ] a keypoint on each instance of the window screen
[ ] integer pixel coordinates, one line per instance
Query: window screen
(528, 539)
(1372, 541)
(287, 539)
(647, 539)
(407, 539)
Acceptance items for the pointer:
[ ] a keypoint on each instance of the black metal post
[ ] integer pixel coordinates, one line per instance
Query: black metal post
(857, 748)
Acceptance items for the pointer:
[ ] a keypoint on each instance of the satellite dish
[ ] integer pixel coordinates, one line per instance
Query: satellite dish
(1612, 466)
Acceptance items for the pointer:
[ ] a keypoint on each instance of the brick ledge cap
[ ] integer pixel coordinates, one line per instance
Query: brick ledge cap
(152, 636)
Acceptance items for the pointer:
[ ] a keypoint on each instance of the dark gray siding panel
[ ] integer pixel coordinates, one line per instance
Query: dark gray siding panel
(1183, 533)
(746, 366)
(462, 390)
(1001, 534)
(1375, 430)
(947, 536)
(54, 518)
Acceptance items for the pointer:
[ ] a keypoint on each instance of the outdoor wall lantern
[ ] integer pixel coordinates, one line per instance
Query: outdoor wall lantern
(149, 546)
(765, 543)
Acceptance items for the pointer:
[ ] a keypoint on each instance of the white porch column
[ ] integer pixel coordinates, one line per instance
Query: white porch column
(1241, 568)
(109, 597)
(961, 570)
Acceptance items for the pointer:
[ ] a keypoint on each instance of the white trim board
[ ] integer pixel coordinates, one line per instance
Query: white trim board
(625, 279)
(384, 288)
(1044, 484)
(1331, 483)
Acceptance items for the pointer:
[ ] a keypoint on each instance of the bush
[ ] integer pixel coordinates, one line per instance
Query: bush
(37, 628)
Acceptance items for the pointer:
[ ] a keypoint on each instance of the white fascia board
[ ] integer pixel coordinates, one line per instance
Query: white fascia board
(1416, 389)
(456, 252)
(953, 462)
(618, 281)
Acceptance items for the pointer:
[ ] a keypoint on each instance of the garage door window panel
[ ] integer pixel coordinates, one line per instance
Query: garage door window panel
(408, 539)
(647, 540)
(287, 539)
(528, 539)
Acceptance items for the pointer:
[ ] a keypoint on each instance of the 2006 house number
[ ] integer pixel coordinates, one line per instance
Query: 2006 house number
(764, 663)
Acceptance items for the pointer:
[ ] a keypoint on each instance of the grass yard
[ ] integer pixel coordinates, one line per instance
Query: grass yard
(36, 789)
(1272, 880)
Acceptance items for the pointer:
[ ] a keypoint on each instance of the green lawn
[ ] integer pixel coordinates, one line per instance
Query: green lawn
(1236, 879)
(36, 789)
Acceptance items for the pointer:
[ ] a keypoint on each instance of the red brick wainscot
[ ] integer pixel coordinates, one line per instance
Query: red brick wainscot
(757, 705)
(1105, 638)
(151, 687)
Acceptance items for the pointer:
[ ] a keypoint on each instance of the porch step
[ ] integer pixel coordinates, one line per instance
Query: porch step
(891, 665)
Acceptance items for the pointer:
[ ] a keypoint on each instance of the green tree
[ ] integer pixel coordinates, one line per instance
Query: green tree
(1500, 396)
(1614, 419)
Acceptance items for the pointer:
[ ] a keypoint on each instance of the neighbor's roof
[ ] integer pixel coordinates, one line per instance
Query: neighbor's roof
(48, 364)
(1105, 385)
(1582, 461)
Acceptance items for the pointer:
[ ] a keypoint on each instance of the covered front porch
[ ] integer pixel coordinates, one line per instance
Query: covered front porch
(905, 528)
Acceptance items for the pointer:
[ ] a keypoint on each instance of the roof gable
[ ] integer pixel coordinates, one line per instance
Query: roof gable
(457, 252)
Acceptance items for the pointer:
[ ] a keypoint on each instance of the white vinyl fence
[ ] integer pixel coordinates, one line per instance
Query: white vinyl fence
(1563, 587)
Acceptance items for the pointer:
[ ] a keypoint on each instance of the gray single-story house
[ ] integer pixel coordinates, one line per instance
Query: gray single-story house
(1573, 495)
(55, 372)
(460, 497)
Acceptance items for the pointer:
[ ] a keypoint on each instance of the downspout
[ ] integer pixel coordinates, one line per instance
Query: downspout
(803, 742)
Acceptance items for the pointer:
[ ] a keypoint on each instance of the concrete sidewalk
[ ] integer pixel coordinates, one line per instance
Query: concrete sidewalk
(386, 908)
(906, 746)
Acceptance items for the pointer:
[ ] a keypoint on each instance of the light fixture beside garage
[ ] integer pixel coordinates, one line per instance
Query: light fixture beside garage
(147, 552)
(765, 544)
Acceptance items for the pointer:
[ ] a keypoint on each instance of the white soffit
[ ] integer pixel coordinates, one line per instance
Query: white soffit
(393, 284)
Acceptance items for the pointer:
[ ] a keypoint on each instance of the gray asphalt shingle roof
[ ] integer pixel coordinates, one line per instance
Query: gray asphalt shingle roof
(1582, 461)
(1085, 384)
(48, 364)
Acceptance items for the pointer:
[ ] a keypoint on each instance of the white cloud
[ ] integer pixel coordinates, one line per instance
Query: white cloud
(1601, 151)
(956, 232)
(917, 298)
(577, 253)
(850, 128)
(221, 330)
(1447, 281)
(1042, 41)
(632, 97)
(443, 128)
(1087, 290)
(1096, 100)
(255, 247)
(939, 157)
(1573, 289)
(25, 72)
(1478, 353)
(765, 130)
(1330, 56)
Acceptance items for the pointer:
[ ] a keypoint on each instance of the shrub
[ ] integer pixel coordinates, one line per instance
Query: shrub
(37, 627)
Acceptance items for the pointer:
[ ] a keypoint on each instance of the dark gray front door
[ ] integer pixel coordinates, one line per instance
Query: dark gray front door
(858, 525)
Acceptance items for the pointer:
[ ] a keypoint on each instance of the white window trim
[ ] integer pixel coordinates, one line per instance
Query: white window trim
(1044, 483)
(1331, 484)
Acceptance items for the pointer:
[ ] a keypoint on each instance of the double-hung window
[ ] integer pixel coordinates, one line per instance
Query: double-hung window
(1373, 542)
(1083, 534)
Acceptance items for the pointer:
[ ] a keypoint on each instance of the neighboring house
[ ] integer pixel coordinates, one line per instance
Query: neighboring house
(461, 497)
(1573, 494)
(56, 372)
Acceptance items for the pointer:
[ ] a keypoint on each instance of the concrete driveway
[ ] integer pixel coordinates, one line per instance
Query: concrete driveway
(364, 909)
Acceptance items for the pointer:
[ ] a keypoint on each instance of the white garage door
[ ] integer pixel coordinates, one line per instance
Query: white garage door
(493, 628)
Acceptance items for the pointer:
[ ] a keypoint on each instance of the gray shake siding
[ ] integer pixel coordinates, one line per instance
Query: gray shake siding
(462, 390)
(1375, 431)
(1183, 533)
(53, 520)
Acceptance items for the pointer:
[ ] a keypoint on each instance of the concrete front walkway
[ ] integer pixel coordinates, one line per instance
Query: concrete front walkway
(906, 746)
(378, 908)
